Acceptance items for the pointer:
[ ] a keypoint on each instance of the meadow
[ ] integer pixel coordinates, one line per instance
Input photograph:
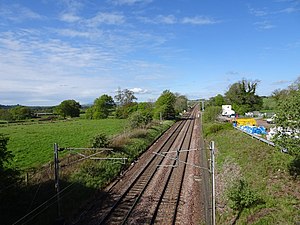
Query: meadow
(32, 143)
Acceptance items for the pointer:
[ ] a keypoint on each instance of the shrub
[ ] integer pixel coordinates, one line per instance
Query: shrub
(241, 196)
(139, 119)
(211, 113)
(216, 127)
(100, 141)
(294, 167)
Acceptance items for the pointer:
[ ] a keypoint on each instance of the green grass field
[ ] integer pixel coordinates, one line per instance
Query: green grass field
(32, 144)
(265, 169)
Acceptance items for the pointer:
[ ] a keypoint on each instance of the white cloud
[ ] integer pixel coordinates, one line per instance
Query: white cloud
(69, 17)
(258, 12)
(264, 25)
(281, 82)
(18, 13)
(130, 2)
(171, 19)
(106, 18)
(199, 20)
(139, 90)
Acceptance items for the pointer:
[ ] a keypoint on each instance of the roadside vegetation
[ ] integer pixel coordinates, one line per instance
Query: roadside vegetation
(257, 183)
(126, 127)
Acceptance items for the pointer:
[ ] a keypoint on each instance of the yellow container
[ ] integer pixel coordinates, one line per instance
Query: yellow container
(246, 122)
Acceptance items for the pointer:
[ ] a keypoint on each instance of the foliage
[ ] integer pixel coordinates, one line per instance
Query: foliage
(101, 108)
(5, 114)
(68, 108)
(218, 100)
(213, 128)
(288, 119)
(164, 105)
(5, 154)
(242, 196)
(242, 96)
(124, 97)
(269, 103)
(180, 103)
(96, 174)
(20, 112)
(7, 175)
(211, 113)
(139, 119)
(124, 111)
(100, 141)
(294, 167)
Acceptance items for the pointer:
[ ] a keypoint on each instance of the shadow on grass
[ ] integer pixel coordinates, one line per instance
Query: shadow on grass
(38, 203)
(294, 167)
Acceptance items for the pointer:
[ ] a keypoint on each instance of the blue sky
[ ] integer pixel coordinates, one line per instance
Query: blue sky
(53, 50)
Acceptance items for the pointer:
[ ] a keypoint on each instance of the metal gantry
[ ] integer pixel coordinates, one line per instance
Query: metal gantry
(83, 156)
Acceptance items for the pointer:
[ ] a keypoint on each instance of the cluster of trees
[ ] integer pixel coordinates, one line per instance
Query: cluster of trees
(123, 105)
(167, 106)
(241, 95)
(16, 113)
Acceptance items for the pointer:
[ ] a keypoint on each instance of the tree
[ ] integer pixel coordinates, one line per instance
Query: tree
(242, 96)
(180, 103)
(101, 108)
(139, 119)
(124, 97)
(288, 119)
(68, 108)
(123, 112)
(8, 174)
(165, 105)
(5, 155)
(5, 114)
(20, 112)
(219, 100)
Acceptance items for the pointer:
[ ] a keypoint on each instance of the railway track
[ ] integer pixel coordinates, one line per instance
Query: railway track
(153, 193)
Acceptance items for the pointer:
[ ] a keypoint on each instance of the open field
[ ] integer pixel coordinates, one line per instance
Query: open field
(32, 144)
(238, 156)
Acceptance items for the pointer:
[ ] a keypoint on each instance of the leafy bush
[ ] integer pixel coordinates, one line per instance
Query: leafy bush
(96, 174)
(100, 141)
(216, 127)
(242, 196)
(294, 167)
(211, 113)
(139, 119)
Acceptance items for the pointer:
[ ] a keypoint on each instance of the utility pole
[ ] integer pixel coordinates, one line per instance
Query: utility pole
(212, 169)
(202, 105)
(59, 219)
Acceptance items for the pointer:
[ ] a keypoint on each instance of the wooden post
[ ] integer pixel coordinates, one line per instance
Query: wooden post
(26, 178)
(56, 178)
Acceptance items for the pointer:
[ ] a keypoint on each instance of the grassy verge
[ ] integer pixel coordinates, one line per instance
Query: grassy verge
(263, 168)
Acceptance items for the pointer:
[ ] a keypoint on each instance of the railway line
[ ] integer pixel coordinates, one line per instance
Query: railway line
(156, 189)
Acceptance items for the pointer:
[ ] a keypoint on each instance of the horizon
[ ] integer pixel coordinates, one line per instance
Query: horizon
(75, 49)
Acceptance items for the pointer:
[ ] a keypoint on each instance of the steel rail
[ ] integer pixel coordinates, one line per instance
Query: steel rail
(139, 197)
(168, 187)
(154, 161)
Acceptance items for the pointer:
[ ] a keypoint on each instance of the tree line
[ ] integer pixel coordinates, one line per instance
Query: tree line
(123, 105)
